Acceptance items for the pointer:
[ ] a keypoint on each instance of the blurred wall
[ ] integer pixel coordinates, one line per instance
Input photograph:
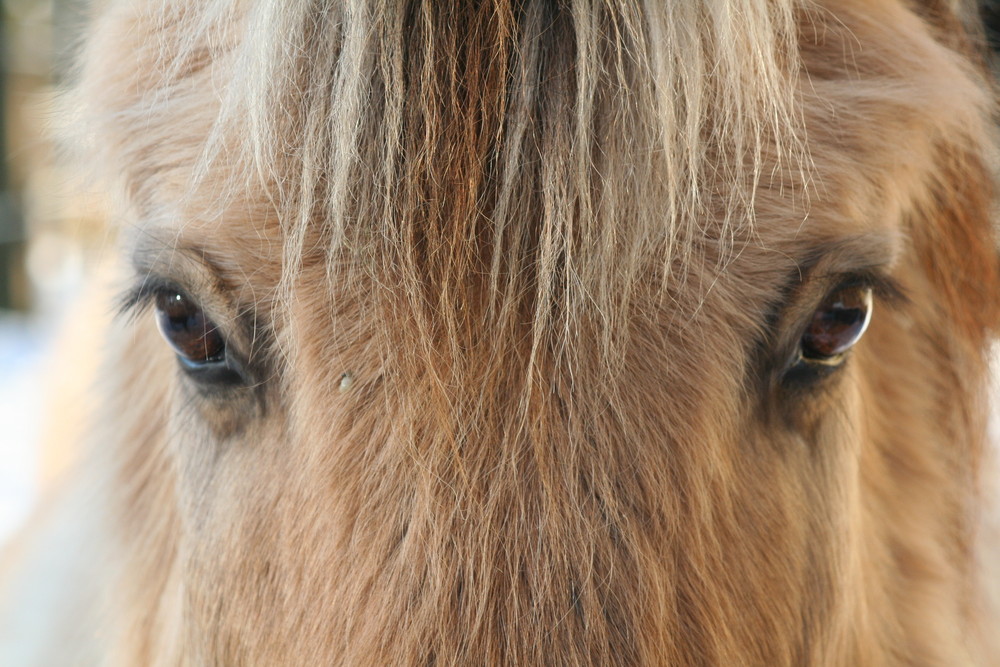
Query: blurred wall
(48, 223)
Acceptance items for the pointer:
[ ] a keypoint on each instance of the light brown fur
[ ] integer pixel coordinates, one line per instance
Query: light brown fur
(558, 249)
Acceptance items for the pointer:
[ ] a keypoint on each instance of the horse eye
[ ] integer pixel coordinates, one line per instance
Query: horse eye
(193, 336)
(837, 324)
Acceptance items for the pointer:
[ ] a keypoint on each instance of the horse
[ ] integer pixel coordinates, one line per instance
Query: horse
(528, 332)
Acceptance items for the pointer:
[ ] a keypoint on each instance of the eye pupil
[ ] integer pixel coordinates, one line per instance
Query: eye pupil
(838, 323)
(186, 328)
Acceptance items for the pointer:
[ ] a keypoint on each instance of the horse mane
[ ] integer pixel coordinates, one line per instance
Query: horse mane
(367, 122)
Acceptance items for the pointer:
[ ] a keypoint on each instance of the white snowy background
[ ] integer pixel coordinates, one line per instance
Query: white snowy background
(26, 381)
(23, 341)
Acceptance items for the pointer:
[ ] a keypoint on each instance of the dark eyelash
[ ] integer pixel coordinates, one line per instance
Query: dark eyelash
(137, 298)
(885, 289)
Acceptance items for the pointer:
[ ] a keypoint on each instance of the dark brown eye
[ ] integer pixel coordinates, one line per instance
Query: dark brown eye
(837, 324)
(192, 335)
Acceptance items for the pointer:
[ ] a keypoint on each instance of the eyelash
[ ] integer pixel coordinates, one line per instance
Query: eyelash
(137, 299)
(887, 291)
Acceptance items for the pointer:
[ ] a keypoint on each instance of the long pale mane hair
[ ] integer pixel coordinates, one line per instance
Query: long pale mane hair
(586, 137)
(545, 245)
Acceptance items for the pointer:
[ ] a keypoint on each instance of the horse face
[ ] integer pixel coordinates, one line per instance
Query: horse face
(438, 383)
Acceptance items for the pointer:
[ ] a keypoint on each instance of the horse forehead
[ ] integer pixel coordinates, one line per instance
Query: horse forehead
(244, 246)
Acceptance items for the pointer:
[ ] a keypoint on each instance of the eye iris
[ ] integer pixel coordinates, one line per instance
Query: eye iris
(185, 327)
(838, 323)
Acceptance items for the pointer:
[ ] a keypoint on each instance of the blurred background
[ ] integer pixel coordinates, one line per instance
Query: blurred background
(51, 234)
